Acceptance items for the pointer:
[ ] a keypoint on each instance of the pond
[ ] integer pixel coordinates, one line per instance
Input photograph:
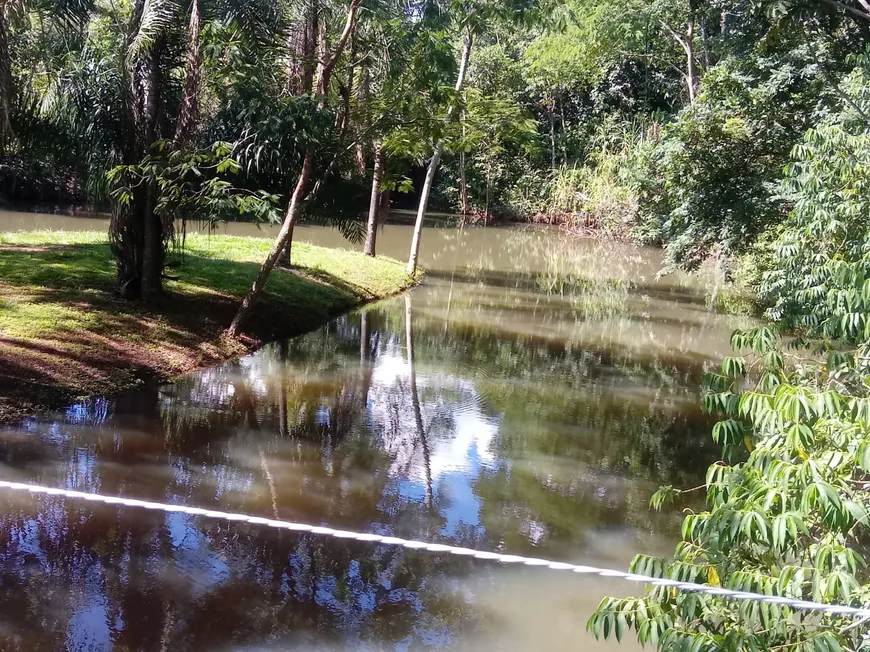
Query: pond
(528, 397)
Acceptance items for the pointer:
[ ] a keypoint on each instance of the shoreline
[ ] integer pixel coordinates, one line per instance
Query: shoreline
(65, 336)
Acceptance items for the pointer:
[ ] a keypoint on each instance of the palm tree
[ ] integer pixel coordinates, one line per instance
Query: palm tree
(19, 13)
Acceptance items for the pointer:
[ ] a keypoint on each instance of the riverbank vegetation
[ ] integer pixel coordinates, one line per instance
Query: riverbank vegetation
(782, 192)
(734, 134)
(64, 332)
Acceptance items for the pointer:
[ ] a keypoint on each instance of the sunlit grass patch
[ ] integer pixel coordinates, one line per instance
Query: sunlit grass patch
(64, 330)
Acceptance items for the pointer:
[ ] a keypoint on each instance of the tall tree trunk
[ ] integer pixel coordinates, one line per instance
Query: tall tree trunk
(5, 81)
(488, 186)
(363, 98)
(324, 76)
(190, 97)
(374, 203)
(153, 253)
(687, 42)
(691, 63)
(706, 50)
(436, 160)
(291, 215)
(551, 112)
(343, 118)
(463, 177)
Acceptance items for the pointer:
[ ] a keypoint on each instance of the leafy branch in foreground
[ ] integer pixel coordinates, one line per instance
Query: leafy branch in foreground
(195, 185)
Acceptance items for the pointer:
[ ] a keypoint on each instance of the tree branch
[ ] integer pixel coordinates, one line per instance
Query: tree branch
(833, 82)
(849, 8)
(325, 72)
(677, 36)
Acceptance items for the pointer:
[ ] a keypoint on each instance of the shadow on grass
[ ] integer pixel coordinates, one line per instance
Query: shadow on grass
(65, 333)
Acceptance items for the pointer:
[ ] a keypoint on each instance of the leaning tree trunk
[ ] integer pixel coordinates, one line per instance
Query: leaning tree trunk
(5, 81)
(294, 208)
(278, 247)
(436, 160)
(375, 202)
(324, 76)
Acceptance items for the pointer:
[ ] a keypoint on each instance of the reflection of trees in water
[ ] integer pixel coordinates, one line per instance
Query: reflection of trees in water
(80, 577)
(354, 426)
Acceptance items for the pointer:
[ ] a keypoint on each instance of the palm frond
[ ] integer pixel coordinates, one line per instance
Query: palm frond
(157, 17)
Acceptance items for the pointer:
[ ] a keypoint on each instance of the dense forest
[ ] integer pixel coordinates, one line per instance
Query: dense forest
(734, 133)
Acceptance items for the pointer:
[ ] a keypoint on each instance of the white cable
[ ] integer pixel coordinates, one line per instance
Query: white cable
(839, 610)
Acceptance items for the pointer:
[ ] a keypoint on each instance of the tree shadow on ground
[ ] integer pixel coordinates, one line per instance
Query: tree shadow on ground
(65, 333)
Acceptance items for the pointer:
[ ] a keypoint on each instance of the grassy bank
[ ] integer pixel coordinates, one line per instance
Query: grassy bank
(64, 334)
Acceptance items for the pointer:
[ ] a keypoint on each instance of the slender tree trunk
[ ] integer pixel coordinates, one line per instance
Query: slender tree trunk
(706, 50)
(436, 160)
(324, 76)
(290, 217)
(463, 185)
(687, 42)
(5, 80)
(488, 186)
(463, 177)
(363, 98)
(691, 64)
(374, 203)
(294, 208)
(190, 98)
(551, 110)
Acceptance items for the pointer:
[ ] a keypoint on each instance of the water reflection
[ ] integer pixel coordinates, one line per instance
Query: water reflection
(526, 398)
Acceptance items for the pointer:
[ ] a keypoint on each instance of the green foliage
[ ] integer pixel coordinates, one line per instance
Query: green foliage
(709, 184)
(787, 514)
(790, 519)
(818, 279)
(195, 185)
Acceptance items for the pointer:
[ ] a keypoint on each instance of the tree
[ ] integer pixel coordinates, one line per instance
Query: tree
(66, 14)
(297, 198)
(375, 203)
(787, 513)
(426, 190)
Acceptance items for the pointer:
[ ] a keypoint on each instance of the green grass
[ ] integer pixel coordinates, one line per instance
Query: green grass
(64, 333)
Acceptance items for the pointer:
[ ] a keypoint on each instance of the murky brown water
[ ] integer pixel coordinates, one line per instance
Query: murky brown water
(550, 386)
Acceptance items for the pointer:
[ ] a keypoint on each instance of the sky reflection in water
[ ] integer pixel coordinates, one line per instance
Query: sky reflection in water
(548, 390)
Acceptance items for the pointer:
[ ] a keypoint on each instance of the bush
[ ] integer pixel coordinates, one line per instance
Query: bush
(789, 515)
(710, 183)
